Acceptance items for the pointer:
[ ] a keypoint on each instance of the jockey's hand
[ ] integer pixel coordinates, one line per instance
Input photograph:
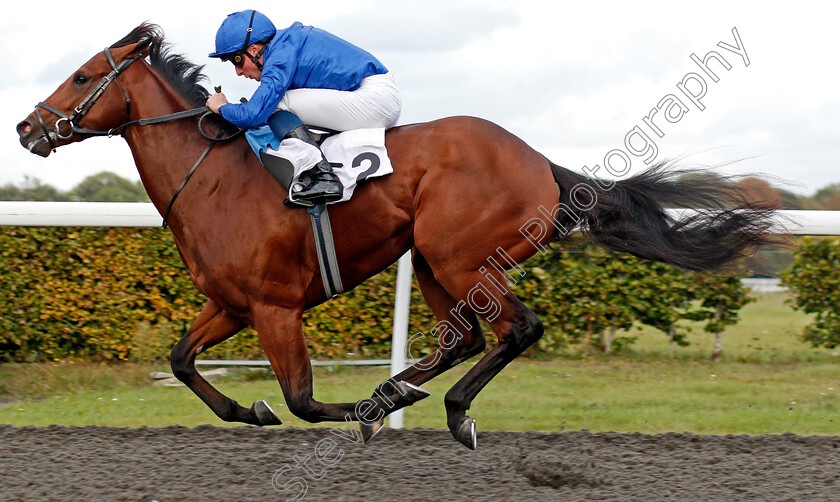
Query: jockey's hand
(216, 101)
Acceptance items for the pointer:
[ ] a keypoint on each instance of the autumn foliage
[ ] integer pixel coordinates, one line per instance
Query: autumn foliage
(814, 280)
(123, 294)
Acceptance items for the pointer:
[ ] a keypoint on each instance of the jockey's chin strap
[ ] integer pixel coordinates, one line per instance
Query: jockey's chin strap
(256, 59)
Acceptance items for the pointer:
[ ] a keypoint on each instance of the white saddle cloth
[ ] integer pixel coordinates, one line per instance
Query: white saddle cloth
(355, 155)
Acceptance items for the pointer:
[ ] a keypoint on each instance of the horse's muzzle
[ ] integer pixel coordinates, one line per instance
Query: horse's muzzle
(32, 137)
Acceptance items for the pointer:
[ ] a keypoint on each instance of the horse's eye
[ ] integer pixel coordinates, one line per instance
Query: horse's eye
(80, 79)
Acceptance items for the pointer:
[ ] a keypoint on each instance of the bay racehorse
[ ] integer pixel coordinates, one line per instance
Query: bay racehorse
(467, 198)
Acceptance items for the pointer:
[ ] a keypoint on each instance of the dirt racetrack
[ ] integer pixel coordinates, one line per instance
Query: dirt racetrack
(209, 463)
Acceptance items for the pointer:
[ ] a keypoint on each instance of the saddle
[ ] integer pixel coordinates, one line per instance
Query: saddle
(282, 169)
(355, 156)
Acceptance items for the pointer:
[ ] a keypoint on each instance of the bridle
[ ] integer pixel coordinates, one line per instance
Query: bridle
(84, 107)
(87, 103)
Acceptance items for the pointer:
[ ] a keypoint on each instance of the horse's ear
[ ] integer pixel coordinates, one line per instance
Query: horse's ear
(130, 51)
(138, 42)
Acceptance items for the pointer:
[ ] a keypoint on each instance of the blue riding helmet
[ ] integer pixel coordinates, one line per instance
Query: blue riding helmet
(240, 30)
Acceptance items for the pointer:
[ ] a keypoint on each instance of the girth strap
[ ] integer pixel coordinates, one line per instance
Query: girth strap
(325, 246)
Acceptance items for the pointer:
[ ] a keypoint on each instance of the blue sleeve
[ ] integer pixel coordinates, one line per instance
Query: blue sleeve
(280, 64)
(255, 112)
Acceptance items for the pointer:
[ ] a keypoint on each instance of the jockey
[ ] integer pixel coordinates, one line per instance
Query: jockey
(307, 76)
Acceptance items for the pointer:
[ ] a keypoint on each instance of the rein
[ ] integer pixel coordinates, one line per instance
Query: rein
(213, 141)
(87, 103)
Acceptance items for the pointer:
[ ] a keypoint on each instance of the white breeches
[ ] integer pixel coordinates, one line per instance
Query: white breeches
(376, 103)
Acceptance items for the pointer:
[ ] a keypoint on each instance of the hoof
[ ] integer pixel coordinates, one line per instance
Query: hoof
(404, 394)
(412, 393)
(465, 433)
(265, 415)
(370, 430)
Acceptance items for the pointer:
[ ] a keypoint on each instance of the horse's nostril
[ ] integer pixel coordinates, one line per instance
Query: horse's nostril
(24, 128)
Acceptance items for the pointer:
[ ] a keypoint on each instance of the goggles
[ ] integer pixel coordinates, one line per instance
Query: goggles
(238, 59)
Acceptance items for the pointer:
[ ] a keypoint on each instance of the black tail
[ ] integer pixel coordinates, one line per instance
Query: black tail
(630, 216)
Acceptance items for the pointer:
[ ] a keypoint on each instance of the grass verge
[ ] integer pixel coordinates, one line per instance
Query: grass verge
(617, 395)
(768, 382)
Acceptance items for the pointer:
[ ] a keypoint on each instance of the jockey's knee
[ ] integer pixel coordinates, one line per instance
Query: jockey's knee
(282, 123)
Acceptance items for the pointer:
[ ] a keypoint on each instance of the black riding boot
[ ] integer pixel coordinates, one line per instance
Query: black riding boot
(319, 184)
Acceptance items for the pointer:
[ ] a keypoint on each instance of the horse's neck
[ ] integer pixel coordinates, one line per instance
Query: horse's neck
(160, 159)
(165, 152)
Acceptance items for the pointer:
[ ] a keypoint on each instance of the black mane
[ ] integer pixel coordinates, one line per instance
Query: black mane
(181, 73)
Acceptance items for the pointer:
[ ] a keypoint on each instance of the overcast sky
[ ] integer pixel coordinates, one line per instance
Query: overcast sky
(571, 79)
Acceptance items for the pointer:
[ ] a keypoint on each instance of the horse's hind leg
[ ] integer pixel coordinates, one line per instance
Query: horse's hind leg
(213, 326)
(517, 328)
(457, 332)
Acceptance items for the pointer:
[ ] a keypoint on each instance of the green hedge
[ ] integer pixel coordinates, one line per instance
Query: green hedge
(814, 280)
(123, 294)
(89, 293)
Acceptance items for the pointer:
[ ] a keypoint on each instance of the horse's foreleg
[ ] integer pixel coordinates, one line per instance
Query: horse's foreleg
(281, 337)
(213, 326)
